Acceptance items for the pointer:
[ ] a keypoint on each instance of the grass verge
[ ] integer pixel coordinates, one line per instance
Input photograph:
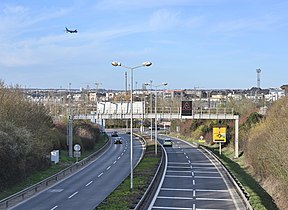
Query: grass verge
(122, 197)
(65, 161)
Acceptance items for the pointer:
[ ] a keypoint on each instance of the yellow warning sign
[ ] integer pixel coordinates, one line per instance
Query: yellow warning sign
(219, 134)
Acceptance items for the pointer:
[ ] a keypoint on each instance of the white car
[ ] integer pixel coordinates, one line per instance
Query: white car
(118, 140)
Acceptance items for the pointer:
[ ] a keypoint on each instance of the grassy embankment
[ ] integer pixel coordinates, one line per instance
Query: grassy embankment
(258, 197)
(123, 197)
(64, 162)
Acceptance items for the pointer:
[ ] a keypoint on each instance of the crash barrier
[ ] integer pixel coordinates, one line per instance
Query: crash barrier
(148, 196)
(239, 187)
(32, 190)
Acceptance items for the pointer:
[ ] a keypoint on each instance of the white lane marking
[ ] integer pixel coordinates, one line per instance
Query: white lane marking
(125, 150)
(173, 208)
(178, 171)
(193, 182)
(189, 161)
(206, 168)
(208, 177)
(194, 193)
(187, 157)
(73, 195)
(200, 190)
(175, 189)
(100, 174)
(122, 154)
(185, 153)
(55, 207)
(89, 183)
(214, 199)
(177, 167)
(174, 198)
(177, 163)
(206, 172)
(108, 168)
(114, 162)
(202, 164)
(174, 176)
(194, 206)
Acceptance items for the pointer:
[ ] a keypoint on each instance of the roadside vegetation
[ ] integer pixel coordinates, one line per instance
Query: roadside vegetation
(28, 135)
(262, 166)
(122, 197)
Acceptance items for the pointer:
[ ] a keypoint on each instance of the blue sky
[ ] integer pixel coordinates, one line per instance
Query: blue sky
(191, 43)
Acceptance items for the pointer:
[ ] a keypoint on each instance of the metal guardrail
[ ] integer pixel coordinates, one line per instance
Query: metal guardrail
(151, 190)
(30, 191)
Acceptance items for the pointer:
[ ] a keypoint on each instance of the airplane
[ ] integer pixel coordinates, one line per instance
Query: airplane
(71, 31)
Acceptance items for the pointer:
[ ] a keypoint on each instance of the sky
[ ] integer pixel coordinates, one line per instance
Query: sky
(203, 44)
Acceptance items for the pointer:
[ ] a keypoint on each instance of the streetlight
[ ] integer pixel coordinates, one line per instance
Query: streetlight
(145, 64)
(156, 117)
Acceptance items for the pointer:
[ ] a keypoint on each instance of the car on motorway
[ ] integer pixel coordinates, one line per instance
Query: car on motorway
(167, 142)
(114, 134)
(118, 140)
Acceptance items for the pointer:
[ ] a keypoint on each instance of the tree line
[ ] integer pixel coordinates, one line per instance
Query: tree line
(28, 135)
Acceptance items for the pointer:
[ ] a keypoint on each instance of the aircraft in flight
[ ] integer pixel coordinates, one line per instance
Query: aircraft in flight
(71, 31)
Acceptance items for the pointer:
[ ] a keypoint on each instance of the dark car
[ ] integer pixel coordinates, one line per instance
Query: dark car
(118, 140)
(114, 134)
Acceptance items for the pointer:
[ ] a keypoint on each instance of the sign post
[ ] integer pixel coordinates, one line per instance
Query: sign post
(77, 152)
(219, 136)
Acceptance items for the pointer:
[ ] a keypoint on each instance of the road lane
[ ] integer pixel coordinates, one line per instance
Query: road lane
(89, 187)
(192, 181)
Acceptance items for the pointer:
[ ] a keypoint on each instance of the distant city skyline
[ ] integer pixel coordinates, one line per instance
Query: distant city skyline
(207, 44)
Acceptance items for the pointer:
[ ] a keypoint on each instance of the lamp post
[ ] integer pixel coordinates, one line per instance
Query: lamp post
(156, 117)
(145, 64)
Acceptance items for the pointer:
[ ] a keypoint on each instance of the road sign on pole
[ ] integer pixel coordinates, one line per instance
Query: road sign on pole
(219, 134)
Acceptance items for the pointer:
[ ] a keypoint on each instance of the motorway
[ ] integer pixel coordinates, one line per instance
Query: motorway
(90, 186)
(194, 181)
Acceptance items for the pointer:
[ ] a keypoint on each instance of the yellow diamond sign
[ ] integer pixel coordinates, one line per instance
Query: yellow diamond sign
(219, 134)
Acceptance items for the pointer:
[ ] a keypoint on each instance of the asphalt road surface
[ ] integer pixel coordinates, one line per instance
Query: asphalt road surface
(89, 187)
(193, 181)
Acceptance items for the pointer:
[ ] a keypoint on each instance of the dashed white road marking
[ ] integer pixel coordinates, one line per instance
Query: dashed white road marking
(89, 183)
(55, 207)
(73, 195)
(108, 168)
(100, 174)
(114, 162)
(175, 198)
